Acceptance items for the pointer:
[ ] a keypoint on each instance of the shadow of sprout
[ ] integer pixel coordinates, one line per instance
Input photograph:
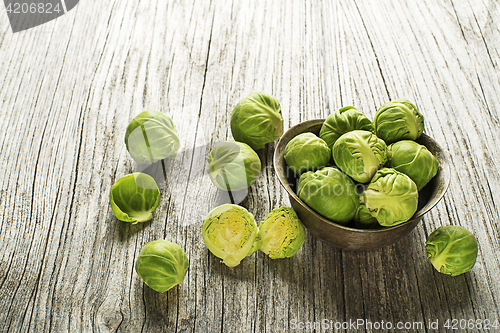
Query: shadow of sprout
(245, 271)
(162, 308)
(288, 269)
(127, 229)
(190, 168)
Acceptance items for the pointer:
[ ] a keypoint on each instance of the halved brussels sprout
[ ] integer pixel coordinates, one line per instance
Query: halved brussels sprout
(398, 120)
(162, 265)
(330, 193)
(134, 197)
(256, 120)
(343, 120)
(151, 136)
(281, 233)
(233, 166)
(391, 197)
(359, 154)
(230, 233)
(364, 220)
(306, 152)
(414, 160)
(452, 250)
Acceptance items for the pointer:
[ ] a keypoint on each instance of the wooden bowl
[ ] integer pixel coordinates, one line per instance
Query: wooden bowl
(346, 237)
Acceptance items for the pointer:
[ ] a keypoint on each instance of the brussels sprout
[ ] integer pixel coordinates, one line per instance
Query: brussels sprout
(414, 160)
(451, 249)
(162, 265)
(151, 136)
(398, 120)
(342, 121)
(364, 220)
(133, 198)
(233, 166)
(281, 233)
(230, 233)
(359, 154)
(306, 152)
(256, 120)
(391, 197)
(330, 193)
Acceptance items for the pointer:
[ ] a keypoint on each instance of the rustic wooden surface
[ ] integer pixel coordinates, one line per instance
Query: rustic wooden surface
(70, 87)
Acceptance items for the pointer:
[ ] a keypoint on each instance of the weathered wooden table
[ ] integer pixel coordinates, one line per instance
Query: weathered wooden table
(70, 87)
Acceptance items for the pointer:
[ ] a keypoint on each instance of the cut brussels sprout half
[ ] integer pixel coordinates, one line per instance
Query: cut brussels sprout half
(414, 160)
(343, 120)
(151, 136)
(256, 120)
(391, 197)
(233, 166)
(359, 154)
(281, 233)
(162, 265)
(133, 198)
(306, 152)
(398, 120)
(452, 250)
(230, 233)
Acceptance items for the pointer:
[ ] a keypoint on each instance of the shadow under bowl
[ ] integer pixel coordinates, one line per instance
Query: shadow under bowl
(350, 238)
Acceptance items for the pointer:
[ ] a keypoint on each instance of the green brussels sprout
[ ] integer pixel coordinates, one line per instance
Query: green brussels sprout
(451, 249)
(391, 197)
(342, 121)
(151, 136)
(134, 198)
(359, 154)
(162, 265)
(306, 152)
(414, 160)
(281, 233)
(330, 193)
(364, 220)
(233, 166)
(398, 120)
(256, 120)
(230, 233)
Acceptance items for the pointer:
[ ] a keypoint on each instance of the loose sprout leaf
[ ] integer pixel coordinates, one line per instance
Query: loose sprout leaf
(452, 250)
(134, 198)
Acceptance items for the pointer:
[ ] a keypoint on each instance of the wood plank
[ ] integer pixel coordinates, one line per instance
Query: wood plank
(70, 87)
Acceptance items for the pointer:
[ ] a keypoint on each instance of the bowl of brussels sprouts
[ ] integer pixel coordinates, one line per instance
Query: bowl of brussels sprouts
(369, 194)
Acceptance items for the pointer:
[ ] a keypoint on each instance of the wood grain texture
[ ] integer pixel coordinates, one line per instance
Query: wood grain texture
(70, 87)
